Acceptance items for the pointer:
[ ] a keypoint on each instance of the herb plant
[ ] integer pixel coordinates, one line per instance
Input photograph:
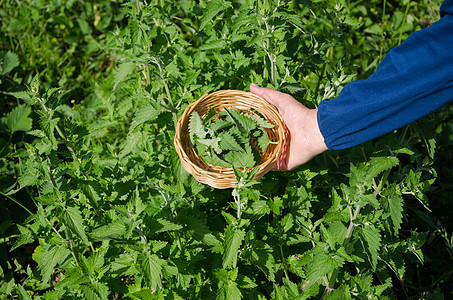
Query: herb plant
(96, 204)
(229, 138)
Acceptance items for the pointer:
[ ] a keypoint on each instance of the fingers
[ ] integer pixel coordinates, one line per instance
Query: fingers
(268, 94)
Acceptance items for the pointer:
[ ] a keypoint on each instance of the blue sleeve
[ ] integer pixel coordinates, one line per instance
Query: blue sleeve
(413, 80)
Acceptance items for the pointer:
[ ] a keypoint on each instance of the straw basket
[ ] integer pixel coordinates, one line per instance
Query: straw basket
(223, 177)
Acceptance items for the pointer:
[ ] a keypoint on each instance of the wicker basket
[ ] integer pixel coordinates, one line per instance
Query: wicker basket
(223, 177)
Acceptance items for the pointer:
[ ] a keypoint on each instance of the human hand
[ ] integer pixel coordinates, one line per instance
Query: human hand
(305, 140)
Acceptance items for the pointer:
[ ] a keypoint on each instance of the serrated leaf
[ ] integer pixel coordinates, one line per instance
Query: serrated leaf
(245, 124)
(151, 267)
(228, 142)
(28, 178)
(54, 295)
(196, 127)
(8, 61)
(133, 138)
(18, 120)
(26, 96)
(25, 237)
(162, 225)
(378, 165)
(371, 240)
(23, 293)
(241, 159)
(113, 230)
(89, 293)
(262, 122)
(214, 44)
(263, 141)
(144, 114)
(246, 282)
(209, 116)
(220, 124)
(35, 84)
(210, 157)
(50, 256)
(393, 205)
(37, 133)
(72, 219)
(231, 245)
(48, 126)
(291, 288)
(321, 265)
(212, 9)
(213, 143)
(123, 71)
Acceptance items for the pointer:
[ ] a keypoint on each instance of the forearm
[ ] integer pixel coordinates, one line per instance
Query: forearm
(413, 80)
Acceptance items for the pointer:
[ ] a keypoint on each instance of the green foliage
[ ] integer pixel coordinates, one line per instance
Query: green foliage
(96, 204)
(229, 144)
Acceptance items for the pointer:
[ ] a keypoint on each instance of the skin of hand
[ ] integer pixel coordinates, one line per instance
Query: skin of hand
(305, 138)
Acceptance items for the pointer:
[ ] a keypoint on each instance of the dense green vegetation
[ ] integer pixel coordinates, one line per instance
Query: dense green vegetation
(96, 205)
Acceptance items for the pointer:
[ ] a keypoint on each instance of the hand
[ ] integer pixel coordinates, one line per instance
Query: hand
(305, 138)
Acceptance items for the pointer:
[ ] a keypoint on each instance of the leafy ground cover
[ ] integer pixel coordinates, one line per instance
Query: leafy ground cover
(95, 204)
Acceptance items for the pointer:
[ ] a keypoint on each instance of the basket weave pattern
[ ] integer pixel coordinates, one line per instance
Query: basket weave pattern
(223, 177)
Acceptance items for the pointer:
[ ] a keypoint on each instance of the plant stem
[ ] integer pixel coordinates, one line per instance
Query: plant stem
(382, 32)
(346, 240)
(404, 22)
(320, 78)
(237, 199)
(283, 262)
(60, 133)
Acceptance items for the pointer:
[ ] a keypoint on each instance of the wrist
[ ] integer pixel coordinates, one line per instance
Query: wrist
(314, 134)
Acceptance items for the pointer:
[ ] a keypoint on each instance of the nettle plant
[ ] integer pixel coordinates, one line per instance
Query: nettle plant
(229, 138)
(112, 213)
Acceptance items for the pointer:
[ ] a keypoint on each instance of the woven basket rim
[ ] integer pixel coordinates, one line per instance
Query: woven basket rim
(223, 177)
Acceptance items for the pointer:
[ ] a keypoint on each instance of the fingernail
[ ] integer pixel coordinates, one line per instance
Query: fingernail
(254, 85)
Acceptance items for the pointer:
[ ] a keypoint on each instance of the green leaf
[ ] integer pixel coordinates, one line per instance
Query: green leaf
(259, 120)
(243, 159)
(371, 240)
(26, 96)
(123, 71)
(228, 142)
(263, 141)
(162, 225)
(321, 265)
(196, 127)
(18, 120)
(213, 143)
(220, 124)
(227, 286)
(151, 267)
(54, 295)
(48, 126)
(245, 124)
(22, 293)
(214, 44)
(131, 142)
(8, 61)
(25, 237)
(144, 114)
(50, 256)
(72, 219)
(113, 230)
(393, 206)
(377, 165)
(212, 9)
(210, 157)
(94, 291)
(231, 245)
